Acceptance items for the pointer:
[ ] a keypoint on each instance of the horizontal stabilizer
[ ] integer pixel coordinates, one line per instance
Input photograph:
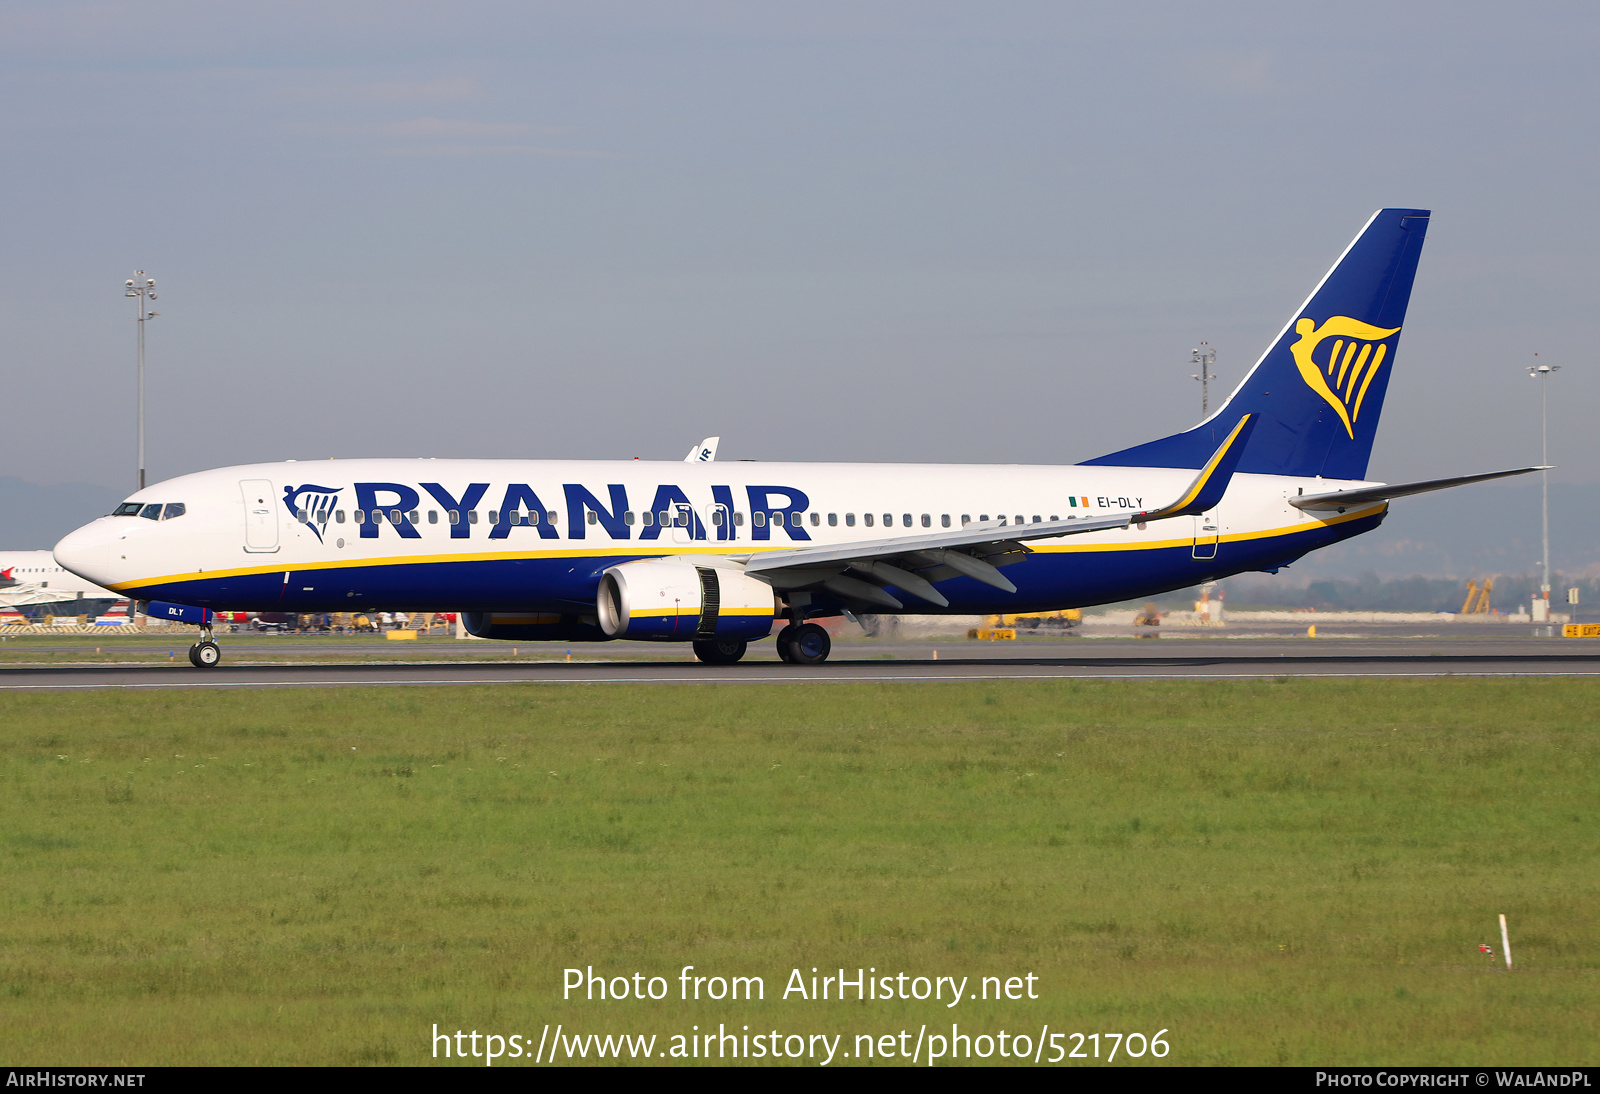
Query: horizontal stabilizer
(1340, 500)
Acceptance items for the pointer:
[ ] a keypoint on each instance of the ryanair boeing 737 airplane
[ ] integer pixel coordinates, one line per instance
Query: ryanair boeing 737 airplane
(713, 553)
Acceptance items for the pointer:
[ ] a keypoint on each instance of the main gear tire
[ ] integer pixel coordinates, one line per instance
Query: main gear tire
(720, 651)
(782, 642)
(809, 645)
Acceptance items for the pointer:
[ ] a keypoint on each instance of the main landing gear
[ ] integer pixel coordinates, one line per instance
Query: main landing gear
(804, 644)
(205, 653)
(719, 651)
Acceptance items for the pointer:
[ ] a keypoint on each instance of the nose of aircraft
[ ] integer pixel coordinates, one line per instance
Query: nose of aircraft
(87, 551)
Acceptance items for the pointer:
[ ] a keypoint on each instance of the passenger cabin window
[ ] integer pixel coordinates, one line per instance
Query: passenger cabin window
(454, 515)
(944, 520)
(647, 519)
(360, 516)
(593, 519)
(866, 518)
(816, 519)
(833, 520)
(128, 509)
(472, 516)
(927, 521)
(494, 516)
(738, 520)
(966, 518)
(338, 516)
(173, 509)
(433, 516)
(550, 517)
(151, 512)
(888, 520)
(760, 519)
(627, 518)
(301, 515)
(849, 520)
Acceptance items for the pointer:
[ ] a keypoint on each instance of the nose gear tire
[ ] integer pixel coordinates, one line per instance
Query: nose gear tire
(205, 655)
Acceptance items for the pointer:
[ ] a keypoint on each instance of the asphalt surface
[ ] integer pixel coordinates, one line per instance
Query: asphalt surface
(858, 661)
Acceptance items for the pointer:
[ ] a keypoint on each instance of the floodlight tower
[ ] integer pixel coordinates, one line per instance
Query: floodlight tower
(141, 287)
(1542, 373)
(1204, 358)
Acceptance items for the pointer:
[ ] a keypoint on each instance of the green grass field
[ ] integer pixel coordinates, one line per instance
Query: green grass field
(1289, 872)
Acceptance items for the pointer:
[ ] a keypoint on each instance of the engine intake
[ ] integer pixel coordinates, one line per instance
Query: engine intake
(682, 600)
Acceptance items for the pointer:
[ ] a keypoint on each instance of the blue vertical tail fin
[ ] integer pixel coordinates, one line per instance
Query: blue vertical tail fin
(1318, 390)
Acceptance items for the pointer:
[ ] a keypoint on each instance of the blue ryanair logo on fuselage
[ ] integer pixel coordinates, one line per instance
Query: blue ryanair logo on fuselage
(317, 503)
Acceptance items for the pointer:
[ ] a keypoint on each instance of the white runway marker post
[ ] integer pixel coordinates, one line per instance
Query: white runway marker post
(1505, 941)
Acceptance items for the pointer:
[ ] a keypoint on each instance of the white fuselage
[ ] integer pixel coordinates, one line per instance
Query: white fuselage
(507, 535)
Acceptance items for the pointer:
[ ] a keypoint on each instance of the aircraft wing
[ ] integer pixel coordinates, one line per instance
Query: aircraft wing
(1340, 500)
(914, 563)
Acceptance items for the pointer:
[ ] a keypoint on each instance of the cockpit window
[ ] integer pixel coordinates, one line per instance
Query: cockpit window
(173, 509)
(128, 509)
(151, 511)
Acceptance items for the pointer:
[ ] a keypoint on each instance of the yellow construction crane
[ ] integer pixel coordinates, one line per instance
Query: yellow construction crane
(1477, 602)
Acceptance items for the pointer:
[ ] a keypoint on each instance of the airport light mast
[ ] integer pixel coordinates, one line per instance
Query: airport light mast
(1542, 373)
(139, 287)
(1204, 358)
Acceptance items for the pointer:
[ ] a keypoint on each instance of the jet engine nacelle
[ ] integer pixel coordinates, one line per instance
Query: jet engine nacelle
(683, 600)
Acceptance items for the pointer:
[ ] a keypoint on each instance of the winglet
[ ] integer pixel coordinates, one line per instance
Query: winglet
(1212, 482)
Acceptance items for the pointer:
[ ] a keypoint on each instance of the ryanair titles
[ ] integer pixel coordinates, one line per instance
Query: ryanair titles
(502, 510)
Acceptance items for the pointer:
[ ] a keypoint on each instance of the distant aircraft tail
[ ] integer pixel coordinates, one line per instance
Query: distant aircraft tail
(1318, 390)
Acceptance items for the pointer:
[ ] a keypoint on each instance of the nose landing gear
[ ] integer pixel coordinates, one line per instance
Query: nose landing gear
(205, 654)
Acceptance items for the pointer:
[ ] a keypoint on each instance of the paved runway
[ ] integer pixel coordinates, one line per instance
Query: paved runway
(872, 661)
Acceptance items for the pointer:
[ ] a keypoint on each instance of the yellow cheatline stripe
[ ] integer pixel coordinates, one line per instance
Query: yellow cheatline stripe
(1150, 545)
(737, 547)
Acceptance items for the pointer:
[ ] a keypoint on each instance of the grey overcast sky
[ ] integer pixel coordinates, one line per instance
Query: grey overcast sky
(857, 231)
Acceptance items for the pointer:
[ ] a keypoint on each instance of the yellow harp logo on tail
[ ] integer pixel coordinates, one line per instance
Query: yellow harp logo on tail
(1356, 355)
